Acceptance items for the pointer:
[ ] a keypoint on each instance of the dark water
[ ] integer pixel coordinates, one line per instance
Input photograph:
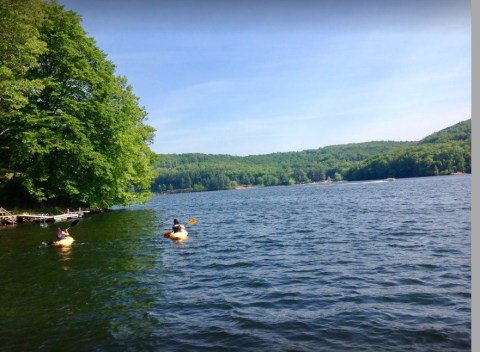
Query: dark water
(380, 266)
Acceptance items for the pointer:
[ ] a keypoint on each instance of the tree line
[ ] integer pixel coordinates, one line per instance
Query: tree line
(71, 131)
(423, 160)
(442, 153)
(200, 172)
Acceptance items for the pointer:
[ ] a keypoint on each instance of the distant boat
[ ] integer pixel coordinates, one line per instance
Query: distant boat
(390, 179)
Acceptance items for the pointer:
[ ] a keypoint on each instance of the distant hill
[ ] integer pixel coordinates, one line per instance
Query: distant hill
(461, 131)
(444, 152)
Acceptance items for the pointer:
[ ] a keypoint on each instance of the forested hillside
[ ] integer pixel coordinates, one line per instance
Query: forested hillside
(441, 153)
(71, 131)
(433, 159)
(461, 131)
(201, 172)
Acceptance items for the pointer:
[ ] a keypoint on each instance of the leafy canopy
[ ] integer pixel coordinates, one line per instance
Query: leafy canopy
(80, 137)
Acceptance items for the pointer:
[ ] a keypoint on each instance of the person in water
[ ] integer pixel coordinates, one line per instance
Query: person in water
(177, 227)
(60, 235)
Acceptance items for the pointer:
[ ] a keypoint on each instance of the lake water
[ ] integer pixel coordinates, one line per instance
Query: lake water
(367, 266)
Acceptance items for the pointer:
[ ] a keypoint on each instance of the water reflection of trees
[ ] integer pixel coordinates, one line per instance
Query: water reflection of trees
(123, 271)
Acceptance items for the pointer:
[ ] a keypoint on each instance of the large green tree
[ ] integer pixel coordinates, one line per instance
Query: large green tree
(20, 47)
(82, 139)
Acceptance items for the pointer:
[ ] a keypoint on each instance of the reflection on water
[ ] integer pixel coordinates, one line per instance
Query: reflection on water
(65, 255)
(100, 289)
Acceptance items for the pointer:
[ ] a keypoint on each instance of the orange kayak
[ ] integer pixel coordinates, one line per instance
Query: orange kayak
(66, 242)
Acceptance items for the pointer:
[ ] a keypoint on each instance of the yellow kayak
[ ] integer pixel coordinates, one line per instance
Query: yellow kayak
(178, 236)
(66, 242)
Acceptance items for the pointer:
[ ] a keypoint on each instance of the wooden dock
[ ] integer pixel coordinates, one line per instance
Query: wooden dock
(9, 218)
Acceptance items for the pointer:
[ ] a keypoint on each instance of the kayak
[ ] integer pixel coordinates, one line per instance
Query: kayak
(178, 236)
(66, 242)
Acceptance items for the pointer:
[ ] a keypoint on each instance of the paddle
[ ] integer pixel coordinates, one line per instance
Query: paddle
(192, 221)
(74, 222)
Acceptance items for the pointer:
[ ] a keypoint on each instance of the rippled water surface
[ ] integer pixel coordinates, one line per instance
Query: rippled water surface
(372, 266)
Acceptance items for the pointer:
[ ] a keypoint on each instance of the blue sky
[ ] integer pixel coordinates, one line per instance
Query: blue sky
(256, 77)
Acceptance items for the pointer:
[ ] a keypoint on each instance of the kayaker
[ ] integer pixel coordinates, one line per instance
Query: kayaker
(177, 227)
(60, 235)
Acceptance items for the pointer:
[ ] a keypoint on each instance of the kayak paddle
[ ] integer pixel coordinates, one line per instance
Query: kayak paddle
(74, 222)
(192, 221)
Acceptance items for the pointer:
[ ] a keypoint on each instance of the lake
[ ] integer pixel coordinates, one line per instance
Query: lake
(363, 266)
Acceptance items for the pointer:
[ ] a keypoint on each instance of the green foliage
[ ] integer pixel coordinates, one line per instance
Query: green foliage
(199, 172)
(81, 138)
(20, 47)
(461, 131)
(423, 160)
(442, 153)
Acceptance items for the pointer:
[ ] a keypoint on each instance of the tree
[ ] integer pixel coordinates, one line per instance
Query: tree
(82, 139)
(20, 47)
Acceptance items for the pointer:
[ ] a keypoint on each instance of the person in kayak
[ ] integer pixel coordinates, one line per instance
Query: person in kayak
(60, 235)
(177, 227)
